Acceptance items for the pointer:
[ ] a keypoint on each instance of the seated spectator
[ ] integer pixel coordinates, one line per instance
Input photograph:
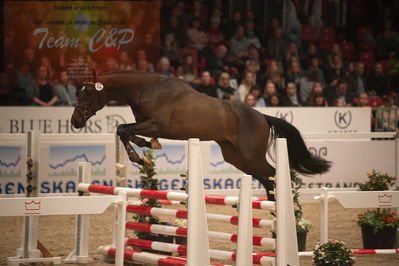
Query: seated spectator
(42, 91)
(253, 40)
(229, 96)
(335, 70)
(216, 62)
(143, 66)
(187, 69)
(291, 97)
(250, 100)
(149, 46)
(274, 100)
(231, 26)
(65, 90)
(378, 84)
(306, 84)
(386, 45)
(273, 69)
(170, 49)
(20, 94)
(253, 66)
(276, 45)
(197, 38)
(164, 66)
(224, 85)
(45, 61)
(292, 51)
(246, 85)
(215, 35)
(30, 58)
(268, 91)
(339, 102)
(253, 54)
(341, 92)
(142, 56)
(294, 74)
(318, 100)
(335, 51)
(306, 58)
(125, 62)
(239, 43)
(316, 70)
(255, 91)
(317, 89)
(206, 85)
(358, 80)
(363, 100)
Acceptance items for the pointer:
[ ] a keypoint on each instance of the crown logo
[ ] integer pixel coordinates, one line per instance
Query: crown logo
(385, 198)
(32, 206)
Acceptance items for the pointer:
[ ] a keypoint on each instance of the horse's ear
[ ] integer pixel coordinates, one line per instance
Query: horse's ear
(95, 75)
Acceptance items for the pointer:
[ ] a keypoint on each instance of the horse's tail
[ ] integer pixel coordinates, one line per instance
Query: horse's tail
(300, 158)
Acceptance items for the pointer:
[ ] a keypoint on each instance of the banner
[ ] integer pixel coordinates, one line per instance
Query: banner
(56, 120)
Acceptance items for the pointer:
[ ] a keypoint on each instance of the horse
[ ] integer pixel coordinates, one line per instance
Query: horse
(167, 107)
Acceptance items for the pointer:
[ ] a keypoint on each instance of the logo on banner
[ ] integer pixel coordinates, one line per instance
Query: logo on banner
(32, 207)
(287, 116)
(321, 152)
(343, 119)
(113, 121)
(385, 200)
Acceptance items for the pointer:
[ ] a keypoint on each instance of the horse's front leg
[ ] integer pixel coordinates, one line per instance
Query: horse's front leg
(127, 134)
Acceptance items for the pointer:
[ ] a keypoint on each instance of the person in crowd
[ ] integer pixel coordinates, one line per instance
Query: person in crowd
(319, 100)
(306, 84)
(42, 91)
(274, 100)
(206, 85)
(294, 74)
(246, 85)
(269, 90)
(340, 92)
(273, 69)
(224, 86)
(197, 38)
(317, 89)
(253, 66)
(163, 66)
(316, 71)
(125, 62)
(170, 49)
(187, 69)
(310, 53)
(215, 35)
(358, 79)
(335, 51)
(29, 58)
(335, 70)
(386, 45)
(148, 45)
(65, 90)
(45, 61)
(24, 80)
(250, 100)
(216, 62)
(378, 83)
(256, 92)
(239, 43)
(362, 100)
(291, 97)
(231, 25)
(277, 45)
(292, 51)
(339, 102)
(142, 56)
(143, 66)
(253, 39)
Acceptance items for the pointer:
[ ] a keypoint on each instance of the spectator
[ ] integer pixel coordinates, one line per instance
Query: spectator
(315, 70)
(335, 70)
(206, 85)
(363, 100)
(250, 100)
(170, 49)
(224, 85)
(239, 43)
(197, 38)
(292, 51)
(274, 100)
(340, 92)
(386, 45)
(358, 81)
(378, 84)
(30, 59)
(291, 98)
(311, 52)
(215, 35)
(268, 91)
(253, 66)
(306, 84)
(253, 40)
(45, 61)
(20, 93)
(125, 62)
(143, 66)
(232, 25)
(274, 70)
(65, 90)
(217, 62)
(164, 66)
(319, 100)
(277, 45)
(339, 102)
(294, 74)
(246, 85)
(317, 89)
(150, 47)
(142, 56)
(43, 93)
(253, 54)
(255, 91)
(187, 69)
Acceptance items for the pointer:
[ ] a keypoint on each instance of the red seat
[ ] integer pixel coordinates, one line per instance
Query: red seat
(347, 50)
(384, 64)
(327, 37)
(308, 33)
(362, 32)
(365, 46)
(367, 58)
(374, 102)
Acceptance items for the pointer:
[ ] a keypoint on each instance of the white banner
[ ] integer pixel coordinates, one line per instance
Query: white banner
(57, 119)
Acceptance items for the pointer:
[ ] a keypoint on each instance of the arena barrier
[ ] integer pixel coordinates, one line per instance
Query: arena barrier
(286, 245)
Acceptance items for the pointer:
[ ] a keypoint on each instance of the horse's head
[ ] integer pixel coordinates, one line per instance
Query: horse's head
(90, 100)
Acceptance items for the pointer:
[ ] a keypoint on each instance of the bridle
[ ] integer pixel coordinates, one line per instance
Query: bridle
(86, 111)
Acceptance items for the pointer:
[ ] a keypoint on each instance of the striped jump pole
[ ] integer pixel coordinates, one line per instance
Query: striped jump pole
(182, 214)
(258, 259)
(359, 252)
(179, 231)
(148, 258)
(171, 195)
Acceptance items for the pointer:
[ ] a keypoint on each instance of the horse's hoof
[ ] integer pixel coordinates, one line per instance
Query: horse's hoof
(155, 145)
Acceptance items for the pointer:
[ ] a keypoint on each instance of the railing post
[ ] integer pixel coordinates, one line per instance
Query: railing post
(324, 215)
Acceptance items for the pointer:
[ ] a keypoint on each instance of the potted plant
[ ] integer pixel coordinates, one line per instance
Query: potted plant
(378, 226)
(302, 225)
(332, 253)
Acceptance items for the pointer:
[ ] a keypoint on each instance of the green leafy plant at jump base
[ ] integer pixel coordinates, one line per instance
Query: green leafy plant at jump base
(378, 226)
(333, 253)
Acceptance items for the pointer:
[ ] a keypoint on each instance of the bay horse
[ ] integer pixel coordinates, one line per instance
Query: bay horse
(167, 107)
